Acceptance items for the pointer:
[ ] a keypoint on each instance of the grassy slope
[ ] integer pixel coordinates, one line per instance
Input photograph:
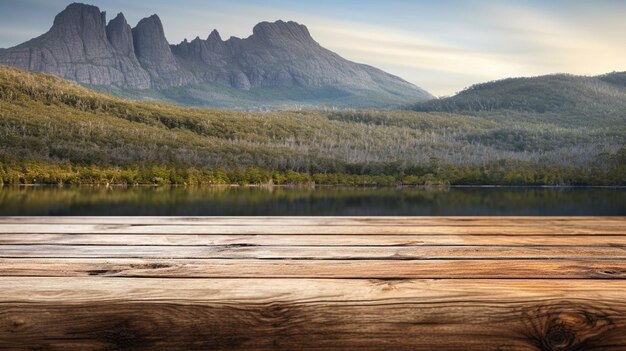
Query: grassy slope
(46, 120)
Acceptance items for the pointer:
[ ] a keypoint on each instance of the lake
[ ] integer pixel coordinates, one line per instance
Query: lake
(320, 201)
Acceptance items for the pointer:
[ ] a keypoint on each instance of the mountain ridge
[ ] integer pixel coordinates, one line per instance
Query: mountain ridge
(83, 47)
(564, 98)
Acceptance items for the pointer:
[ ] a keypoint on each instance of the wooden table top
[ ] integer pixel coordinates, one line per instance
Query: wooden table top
(312, 283)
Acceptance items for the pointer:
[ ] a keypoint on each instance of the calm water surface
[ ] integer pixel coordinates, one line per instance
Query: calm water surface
(325, 201)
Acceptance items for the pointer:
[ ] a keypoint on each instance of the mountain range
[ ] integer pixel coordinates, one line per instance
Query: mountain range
(280, 64)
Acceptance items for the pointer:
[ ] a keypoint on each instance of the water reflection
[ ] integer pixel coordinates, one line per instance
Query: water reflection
(323, 201)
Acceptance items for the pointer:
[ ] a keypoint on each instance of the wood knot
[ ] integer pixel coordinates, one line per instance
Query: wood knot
(560, 337)
(124, 336)
(274, 310)
(565, 326)
(103, 271)
(15, 323)
(279, 315)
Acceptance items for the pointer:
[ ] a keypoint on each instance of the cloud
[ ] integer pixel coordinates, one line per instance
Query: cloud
(504, 41)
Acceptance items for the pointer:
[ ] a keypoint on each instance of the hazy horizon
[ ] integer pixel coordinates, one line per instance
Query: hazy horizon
(442, 47)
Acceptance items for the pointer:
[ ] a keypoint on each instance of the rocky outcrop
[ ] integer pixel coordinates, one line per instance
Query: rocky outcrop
(282, 33)
(77, 48)
(80, 46)
(120, 35)
(154, 54)
(210, 52)
(283, 54)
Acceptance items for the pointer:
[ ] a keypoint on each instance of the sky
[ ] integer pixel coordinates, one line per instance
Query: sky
(442, 46)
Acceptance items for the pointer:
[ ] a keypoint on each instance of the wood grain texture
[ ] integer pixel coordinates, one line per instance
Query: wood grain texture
(316, 314)
(325, 221)
(313, 283)
(306, 230)
(313, 240)
(313, 252)
(344, 269)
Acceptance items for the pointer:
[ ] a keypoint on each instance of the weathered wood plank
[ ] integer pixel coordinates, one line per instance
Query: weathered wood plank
(328, 221)
(501, 283)
(368, 269)
(305, 230)
(282, 314)
(316, 240)
(313, 252)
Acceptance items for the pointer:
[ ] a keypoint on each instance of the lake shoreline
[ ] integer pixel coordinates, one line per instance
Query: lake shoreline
(306, 186)
(283, 200)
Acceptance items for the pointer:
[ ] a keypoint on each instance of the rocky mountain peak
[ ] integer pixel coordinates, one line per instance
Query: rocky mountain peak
(82, 47)
(81, 15)
(282, 31)
(150, 42)
(215, 36)
(151, 27)
(120, 35)
(82, 29)
(155, 55)
(77, 47)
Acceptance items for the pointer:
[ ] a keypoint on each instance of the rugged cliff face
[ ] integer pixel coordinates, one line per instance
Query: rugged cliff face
(77, 48)
(80, 46)
(280, 54)
(120, 36)
(155, 55)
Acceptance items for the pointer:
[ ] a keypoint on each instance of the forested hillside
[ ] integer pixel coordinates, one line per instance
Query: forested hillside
(55, 131)
(559, 99)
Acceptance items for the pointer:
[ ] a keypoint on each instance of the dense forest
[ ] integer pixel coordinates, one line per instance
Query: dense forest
(55, 131)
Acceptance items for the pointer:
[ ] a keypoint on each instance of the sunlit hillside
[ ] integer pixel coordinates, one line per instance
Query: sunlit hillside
(56, 131)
